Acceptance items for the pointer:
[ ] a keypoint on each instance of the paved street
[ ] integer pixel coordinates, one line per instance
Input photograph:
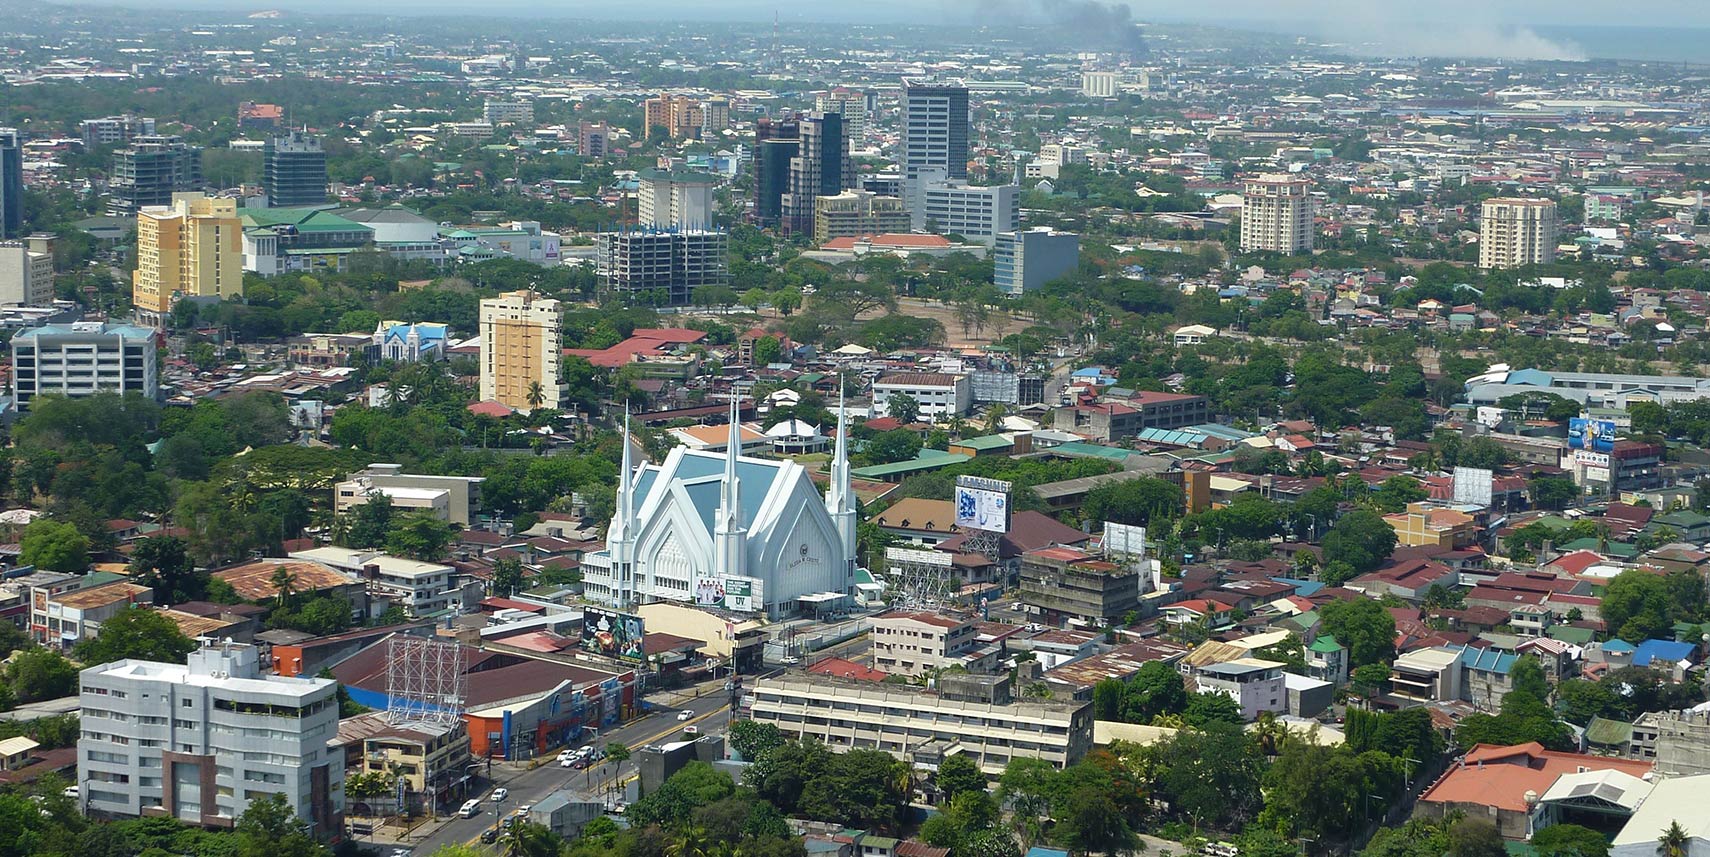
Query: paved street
(529, 786)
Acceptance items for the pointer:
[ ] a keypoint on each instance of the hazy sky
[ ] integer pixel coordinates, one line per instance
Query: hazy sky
(1481, 28)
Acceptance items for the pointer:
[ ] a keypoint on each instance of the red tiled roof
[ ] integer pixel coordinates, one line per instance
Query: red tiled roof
(840, 668)
(889, 239)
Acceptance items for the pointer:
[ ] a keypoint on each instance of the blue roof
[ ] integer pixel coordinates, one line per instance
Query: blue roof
(1618, 645)
(423, 331)
(1303, 588)
(1488, 660)
(1037, 851)
(1531, 377)
(1173, 437)
(1667, 651)
(754, 475)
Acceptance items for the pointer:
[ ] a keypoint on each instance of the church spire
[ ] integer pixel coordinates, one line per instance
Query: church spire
(729, 538)
(839, 496)
(622, 523)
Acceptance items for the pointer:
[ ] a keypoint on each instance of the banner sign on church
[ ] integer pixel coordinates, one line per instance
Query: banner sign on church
(744, 594)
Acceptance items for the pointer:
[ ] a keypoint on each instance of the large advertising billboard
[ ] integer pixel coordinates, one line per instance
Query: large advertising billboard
(744, 594)
(1595, 435)
(709, 592)
(615, 635)
(982, 504)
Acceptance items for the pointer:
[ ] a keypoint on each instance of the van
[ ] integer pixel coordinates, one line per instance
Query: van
(470, 809)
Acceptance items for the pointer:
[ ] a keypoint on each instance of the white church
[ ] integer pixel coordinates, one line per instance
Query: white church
(724, 529)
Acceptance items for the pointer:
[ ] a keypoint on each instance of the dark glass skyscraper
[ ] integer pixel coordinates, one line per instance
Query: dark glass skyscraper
(294, 173)
(11, 183)
(775, 144)
(935, 126)
(821, 168)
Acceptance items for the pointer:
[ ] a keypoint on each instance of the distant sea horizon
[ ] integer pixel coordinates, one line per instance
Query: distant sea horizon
(1653, 44)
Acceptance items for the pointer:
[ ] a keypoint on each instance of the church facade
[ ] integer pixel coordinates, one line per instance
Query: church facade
(728, 530)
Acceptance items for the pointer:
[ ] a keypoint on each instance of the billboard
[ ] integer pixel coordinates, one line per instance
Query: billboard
(1473, 485)
(613, 634)
(982, 504)
(917, 556)
(709, 592)
(744, 594)
(1595, 435)
(1125, 540)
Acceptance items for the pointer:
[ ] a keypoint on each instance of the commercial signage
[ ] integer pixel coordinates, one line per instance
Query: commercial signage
(1595, 435)
(709, 592)
(613, 634)
(982, 504)
(919, 557)
(1124, 540)
(1590, 459)
(744, 594)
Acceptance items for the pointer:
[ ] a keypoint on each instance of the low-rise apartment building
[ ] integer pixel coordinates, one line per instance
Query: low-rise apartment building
(421, 588)
(199, 741)
(974, 715)
(916, 642)
(941, 395)
(1255, 684)
(450, 498)
(77, 615)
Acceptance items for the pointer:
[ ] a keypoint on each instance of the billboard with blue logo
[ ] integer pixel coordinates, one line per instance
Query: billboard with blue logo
(1593, 435)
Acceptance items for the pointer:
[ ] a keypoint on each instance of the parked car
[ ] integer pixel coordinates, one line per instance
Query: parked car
(70, 792)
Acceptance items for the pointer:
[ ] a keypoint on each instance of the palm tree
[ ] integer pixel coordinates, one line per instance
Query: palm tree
(693, 842)
(1673, 841)
(536, 395)
(994, 417)
(284, 583)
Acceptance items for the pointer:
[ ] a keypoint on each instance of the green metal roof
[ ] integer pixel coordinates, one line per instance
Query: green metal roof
(928, 459)
(304, 219)
(1608, 732)
(1590, 543)
(1571, 634)
(1083, 449)
(990, 441)
(1325, 644)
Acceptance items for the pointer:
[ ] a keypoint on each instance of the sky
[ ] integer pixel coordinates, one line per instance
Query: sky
(1510, 29)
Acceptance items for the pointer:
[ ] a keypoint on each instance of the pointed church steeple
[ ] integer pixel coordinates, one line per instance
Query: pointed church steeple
(622, 523)
(730, 537)
(839, 496)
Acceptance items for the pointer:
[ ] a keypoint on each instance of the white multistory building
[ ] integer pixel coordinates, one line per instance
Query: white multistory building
(199, 741)
(1516, 232)
(1098, 84)
(703, 526)
(1276, 215)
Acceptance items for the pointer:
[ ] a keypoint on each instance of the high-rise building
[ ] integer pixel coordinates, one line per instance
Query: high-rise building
(500, 111)
(520, 333)
(200, 741)
(1276, 215)
(855, 105)
(294, 171)
(821, 167)
(1098, 84)
(83, 358)
(26, 271)
(593, 139)
(681, 116)
(1514, 232)
(675, 199)
(715, 117)
(776, 143)
(150, 170)
(670, 264)
(11, 183)
(116, 129)
(1025, 260)
(854, 213)
(192, 248)
(935, 127)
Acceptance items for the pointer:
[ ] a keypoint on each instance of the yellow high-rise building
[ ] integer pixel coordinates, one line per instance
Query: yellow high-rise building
(191, 248)
(519, 349)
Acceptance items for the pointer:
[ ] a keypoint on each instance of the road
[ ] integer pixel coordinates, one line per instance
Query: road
(527, 787)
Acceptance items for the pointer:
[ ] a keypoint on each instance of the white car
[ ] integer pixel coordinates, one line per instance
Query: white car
(499, 795)
(567, 761)
(70, 792)
(685, 715)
